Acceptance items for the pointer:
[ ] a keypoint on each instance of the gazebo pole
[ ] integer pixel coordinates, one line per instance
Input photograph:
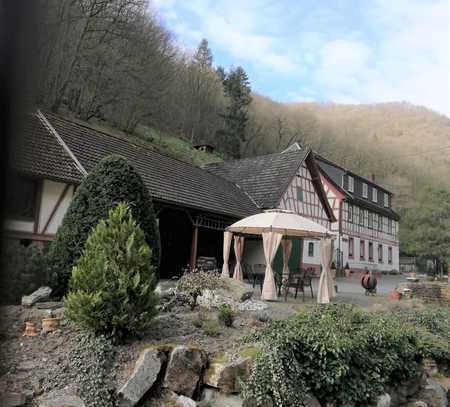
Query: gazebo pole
(194, 246)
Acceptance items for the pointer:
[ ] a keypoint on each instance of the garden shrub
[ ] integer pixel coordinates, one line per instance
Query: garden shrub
(24, 270)
(334, 353)
(192, 284)
(225, 315)
(211, 327)
(111, 181)
(112, 285)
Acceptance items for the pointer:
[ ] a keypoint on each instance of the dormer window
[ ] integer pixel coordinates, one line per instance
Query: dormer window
(364, 190)
(351, 184)
(386, 200)
(374, 194)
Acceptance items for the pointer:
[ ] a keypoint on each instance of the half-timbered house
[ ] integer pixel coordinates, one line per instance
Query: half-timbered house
(366, 224)
(193, 204)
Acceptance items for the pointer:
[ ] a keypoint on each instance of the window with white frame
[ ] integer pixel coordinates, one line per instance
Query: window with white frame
(311, 249)
(350, 213)
(364, 190)
(386, 200)
(351, 184)
(374, 194)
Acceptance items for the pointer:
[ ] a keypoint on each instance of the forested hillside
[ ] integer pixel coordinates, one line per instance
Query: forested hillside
(113, 62)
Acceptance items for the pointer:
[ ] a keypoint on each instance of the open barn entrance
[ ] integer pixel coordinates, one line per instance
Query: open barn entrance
(175, 229)
(210, 244)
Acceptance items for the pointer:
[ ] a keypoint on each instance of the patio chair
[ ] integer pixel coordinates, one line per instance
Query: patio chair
(246, 271)
(295, 280)
(307, 280)
(257, 274)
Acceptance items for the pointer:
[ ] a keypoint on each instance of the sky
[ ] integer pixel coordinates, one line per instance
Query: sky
(342, 51)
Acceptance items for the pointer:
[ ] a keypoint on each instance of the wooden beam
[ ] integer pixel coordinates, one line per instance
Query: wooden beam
(38, 199)
(14, 234)
(194, 246)
(55, 208)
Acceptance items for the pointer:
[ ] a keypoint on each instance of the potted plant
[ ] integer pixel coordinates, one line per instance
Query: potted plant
(347, 270)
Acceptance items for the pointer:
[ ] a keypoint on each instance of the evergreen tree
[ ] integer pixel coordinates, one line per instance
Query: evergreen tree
(112, 284)
(203, 57)
(237, 89)
(111, 181)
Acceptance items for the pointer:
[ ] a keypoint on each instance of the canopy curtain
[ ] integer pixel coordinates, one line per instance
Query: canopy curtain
(326, 285)
(271, 241)
(287, 249)
(238, 252)
(226, 253)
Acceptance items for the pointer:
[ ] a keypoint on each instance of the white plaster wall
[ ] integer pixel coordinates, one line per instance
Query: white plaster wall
(51, 191)
(311, 259)
(357, 263)
(19, 225)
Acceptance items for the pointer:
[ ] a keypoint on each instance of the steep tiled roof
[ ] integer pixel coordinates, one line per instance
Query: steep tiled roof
(264, 178)
(35, 151)
(335, 173)
(168, 180)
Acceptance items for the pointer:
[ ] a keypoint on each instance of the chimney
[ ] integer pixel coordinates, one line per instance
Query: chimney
(372, 177)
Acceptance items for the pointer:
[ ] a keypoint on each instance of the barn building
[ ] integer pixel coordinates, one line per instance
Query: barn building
(193, 204)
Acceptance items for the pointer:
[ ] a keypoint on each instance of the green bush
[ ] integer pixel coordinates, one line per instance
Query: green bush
(192, 285)
(24, 270)
(211, 327)
(111, 181)
(225, 315)
(334, 353)
(112, 284)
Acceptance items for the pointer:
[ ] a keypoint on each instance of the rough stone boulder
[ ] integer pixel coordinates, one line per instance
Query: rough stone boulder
(58, 398)
(383, 401)
(40, 294)
(218, 399)
(227, 376)
(433, 393)
(171, 399)
(143, 377)
(184, 369)
(233, 293)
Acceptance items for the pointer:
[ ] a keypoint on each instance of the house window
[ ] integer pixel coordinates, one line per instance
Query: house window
(390, 226)
(364, 190)
(311, 249)
(351, 184)
(370, 220)
(390, 255)
(350, 213)
(362, 214)
(21, 198)
(351, 247)
(386, 200)
(380, 253)
(299, 194)
(362, 250)
(374, 195)
(370, 251)
(380, 223)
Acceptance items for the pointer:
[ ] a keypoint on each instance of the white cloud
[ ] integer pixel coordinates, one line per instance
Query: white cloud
(409, 61)
(382, 51)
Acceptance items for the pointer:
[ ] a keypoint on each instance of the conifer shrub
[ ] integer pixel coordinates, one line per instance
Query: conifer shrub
(112, 284)
(111, 181)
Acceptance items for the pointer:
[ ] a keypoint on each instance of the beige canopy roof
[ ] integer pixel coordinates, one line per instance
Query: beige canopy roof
(285, 222)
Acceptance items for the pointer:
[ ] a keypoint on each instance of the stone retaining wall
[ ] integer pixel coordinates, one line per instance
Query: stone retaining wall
(430, 292)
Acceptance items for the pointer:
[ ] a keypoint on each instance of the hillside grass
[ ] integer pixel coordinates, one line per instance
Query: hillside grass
(174, 146)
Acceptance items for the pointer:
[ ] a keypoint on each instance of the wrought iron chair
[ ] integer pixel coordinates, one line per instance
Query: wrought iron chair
(257, 274)
(307, 281)
(295, 280)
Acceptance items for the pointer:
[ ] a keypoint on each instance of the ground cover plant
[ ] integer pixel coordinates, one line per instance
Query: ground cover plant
(111, 181)
(335, 353)
(193, 284)
(112, 284)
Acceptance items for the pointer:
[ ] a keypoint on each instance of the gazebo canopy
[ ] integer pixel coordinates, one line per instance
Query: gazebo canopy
(281, 221)
(272, 225)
